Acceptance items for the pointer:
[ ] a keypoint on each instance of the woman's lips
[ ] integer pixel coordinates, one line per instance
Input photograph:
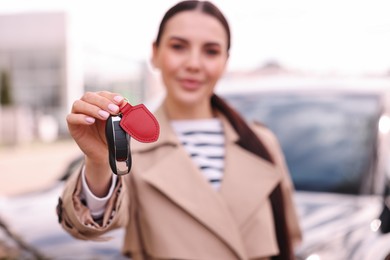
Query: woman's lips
(190, 84)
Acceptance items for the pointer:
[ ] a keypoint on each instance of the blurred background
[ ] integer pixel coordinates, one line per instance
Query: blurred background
(53, 51)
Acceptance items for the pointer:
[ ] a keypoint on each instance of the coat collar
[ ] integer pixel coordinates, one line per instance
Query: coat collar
(248, 180)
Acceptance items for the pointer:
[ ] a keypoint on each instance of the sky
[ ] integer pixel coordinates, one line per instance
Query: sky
(351, 36)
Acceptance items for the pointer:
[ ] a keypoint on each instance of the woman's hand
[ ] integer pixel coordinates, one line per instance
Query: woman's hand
(87, 120)
(86, 124)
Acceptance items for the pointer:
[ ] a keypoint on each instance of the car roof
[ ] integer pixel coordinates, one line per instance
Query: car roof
(292, 83)
(307, 85)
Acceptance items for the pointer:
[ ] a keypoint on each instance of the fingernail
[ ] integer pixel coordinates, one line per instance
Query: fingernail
(90, 120)
(113, 108)
(104, 114)
(118, 99)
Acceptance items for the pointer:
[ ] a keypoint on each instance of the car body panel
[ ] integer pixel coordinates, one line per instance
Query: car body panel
(32, 218)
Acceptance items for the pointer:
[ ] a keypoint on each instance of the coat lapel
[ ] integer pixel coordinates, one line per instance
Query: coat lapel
(185, 186)
(181, 181)
(248, 180)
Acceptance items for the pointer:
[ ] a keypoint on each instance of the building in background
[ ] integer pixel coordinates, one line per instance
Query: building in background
(48, 68)
(36, 53)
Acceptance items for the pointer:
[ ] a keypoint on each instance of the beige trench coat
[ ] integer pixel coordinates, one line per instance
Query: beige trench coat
(170, 211)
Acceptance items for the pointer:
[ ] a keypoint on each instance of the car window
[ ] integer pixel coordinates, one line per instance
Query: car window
(329, 141)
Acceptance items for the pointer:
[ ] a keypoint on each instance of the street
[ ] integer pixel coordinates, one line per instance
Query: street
(31, 167)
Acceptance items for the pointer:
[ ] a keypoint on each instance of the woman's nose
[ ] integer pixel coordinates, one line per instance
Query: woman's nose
(194, 60)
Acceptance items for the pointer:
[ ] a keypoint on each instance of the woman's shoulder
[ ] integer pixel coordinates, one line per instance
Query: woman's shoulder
(261, 129)
(265, 134)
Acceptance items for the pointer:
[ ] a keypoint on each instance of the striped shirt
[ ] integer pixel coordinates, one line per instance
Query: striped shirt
(204, 141)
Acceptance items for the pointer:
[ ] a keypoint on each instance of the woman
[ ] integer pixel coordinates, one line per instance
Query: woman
(211, 187)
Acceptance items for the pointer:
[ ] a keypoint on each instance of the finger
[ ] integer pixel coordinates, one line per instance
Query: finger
(79, 119)
(114, 97)
(104, 100)
(90, 110)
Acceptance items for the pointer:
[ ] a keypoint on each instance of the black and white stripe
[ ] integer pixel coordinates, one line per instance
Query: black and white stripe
(205, 143)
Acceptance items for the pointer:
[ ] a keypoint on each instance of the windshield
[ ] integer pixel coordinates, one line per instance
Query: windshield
(328, 140)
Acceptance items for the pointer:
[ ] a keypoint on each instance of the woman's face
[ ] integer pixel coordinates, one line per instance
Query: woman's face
(191, 56)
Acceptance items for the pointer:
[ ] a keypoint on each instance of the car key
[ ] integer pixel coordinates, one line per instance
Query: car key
(118, 146)
(133, 121)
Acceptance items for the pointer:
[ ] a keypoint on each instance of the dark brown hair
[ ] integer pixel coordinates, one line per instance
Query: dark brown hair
(203, 6)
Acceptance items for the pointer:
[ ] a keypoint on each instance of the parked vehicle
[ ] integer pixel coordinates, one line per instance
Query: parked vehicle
(29, 228)
(336, 145)
(338, 159)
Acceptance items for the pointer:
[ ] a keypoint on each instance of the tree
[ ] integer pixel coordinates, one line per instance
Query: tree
(5, 89)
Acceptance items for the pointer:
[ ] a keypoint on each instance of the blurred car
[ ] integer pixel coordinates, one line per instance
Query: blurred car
(336, 147)
(337, 150)
(29, 228)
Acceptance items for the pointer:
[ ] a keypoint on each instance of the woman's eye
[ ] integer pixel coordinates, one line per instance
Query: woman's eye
(212, 52)
(177, 46)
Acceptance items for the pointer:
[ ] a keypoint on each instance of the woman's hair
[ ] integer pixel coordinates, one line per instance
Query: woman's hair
(248, 139)
(202, 6)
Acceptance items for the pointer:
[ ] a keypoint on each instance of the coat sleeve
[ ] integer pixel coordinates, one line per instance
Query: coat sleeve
(74, 216)
(287, 186)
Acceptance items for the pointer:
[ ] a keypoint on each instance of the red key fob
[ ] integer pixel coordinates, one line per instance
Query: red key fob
(140, 123)
(134, 121)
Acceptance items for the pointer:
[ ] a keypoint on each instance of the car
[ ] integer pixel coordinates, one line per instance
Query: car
(338, 159)
(29, 228)
(336, 144)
